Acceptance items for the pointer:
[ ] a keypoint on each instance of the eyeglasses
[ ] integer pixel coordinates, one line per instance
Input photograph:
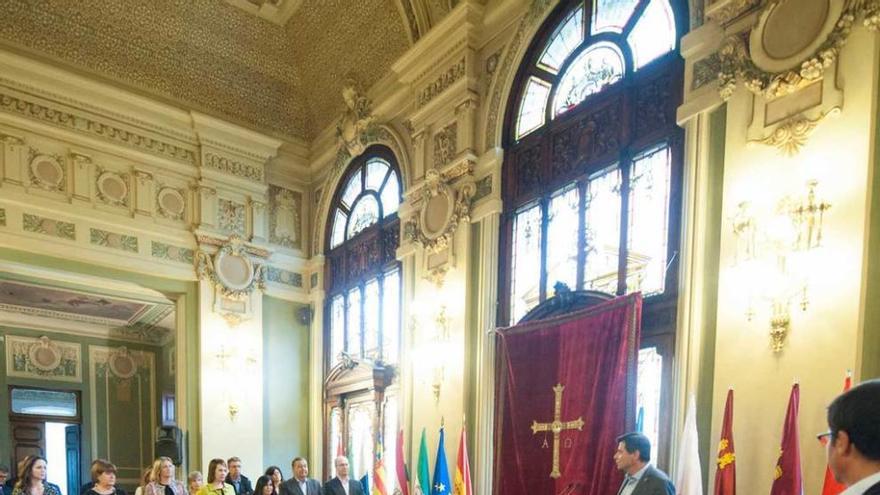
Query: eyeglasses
(824, 437)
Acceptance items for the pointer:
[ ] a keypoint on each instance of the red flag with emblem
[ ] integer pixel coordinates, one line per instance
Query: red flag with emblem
(725, 476)
(787, 477)
(831, 486)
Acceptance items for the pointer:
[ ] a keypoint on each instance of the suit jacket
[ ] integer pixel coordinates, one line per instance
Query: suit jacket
(334, 487)
(874, 490)
(291, 487)
(244, 485)
(653, 482)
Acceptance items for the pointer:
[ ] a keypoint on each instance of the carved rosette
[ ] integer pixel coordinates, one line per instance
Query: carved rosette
(231, 269)
(441, 208)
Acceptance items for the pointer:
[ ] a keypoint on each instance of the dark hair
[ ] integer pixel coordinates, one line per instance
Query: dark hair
(297, 459)
(212, 468)
(271, 470)
(101, 466)
(634, 441)
(233, 459)
(855, 412)
(24, 471)
(262, 481)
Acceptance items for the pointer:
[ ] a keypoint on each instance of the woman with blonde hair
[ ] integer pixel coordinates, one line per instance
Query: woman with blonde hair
(146, 478)
(194, 482)
(216, 484)
(163, 482)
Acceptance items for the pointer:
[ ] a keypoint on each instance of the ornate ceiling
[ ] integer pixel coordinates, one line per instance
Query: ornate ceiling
(216, 57)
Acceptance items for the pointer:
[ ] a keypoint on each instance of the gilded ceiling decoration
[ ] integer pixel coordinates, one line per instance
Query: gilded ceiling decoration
(215, 57)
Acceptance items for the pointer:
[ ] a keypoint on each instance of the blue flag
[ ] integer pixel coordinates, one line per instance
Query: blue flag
(365, 482)
(640, 420)
(441, 484)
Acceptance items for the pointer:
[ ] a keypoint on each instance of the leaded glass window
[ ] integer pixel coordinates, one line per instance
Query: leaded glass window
(574, 63)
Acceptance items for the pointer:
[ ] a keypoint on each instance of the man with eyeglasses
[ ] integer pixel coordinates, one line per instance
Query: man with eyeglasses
(853, 439)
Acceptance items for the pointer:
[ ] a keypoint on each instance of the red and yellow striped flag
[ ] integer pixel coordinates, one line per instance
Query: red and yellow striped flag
(461, 484)
(379, 480)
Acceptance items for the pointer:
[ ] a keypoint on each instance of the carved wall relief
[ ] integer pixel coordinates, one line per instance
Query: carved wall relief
(284, 217)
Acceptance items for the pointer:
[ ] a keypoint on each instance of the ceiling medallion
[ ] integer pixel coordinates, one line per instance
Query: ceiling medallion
(749, 58)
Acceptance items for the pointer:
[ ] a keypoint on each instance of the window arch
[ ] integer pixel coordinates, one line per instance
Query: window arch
(592, 172)
(362, 329)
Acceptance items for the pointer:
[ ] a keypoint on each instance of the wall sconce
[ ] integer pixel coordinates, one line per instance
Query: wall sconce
(441, 350)
(768, 252)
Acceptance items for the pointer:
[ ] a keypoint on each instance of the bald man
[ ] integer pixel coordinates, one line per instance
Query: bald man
(341, 484)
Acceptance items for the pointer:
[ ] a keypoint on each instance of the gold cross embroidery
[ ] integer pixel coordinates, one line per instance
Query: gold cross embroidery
(556, 427)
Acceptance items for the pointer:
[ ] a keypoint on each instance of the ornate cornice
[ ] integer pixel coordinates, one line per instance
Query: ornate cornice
(443, 81)
(229, 166)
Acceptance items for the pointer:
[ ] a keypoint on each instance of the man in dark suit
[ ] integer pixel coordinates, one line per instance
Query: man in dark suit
(853, 439)
(301, 484)
(341, 484)
(640, 478)
(240, 483)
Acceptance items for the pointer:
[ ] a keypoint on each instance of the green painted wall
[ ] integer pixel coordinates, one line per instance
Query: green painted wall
(171, 288)
(285, 386)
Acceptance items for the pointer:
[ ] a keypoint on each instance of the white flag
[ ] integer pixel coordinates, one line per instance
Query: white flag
(688, 477)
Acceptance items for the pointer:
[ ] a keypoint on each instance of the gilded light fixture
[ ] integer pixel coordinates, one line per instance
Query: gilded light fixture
(440, 346)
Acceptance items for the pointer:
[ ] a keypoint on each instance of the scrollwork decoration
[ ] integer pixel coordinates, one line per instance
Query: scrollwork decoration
(207, 269)
(435, 185)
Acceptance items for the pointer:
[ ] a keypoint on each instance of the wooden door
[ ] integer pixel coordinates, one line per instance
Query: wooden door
(28, 438)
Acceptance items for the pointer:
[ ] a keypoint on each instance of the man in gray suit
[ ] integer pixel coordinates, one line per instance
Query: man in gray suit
(300, 484)
(342, 484)
(853, 439)
(632, 457)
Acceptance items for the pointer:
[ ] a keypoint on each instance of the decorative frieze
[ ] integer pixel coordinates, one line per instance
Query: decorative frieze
(229, 166)
(48, 226)
(59, 117)
(172, 253)
(279, 276)
(2, 217)
(103, 238)
(284, 217)
(483, 188)
(442, 82)
(43, 359)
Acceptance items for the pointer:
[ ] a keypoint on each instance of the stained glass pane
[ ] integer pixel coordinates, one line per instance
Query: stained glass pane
(338, 235)
(364, 214)
(531, 110)
(592, 70)
(39, 402)
(562, 238)
(371, 319)
(361, 438)
(337, 328)
(335, 437)
(526, 279)
(389, 444)
(391, 317)
(611, 15)
(352, 189)
(390, 195)
(353, 346)
(566, 38)
(648, 222)
(649, 383)
(376, 170)
(602, 231)
(653, 34)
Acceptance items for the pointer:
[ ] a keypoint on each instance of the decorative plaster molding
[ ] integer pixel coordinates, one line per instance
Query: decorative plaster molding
(284, 277)
(724, 11)
(737, 63)
(228, 280)
(443, 81)
(791, 135)
(357, 125)
(113, 240)
(231, 216)
(445, 145)
(60, 117)
(229, 166)
(171, 253)
(457, 211)
(43, 359)
(284, 217)
(48, 226)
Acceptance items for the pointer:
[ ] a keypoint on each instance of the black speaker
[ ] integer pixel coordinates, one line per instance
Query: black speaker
(169, 443)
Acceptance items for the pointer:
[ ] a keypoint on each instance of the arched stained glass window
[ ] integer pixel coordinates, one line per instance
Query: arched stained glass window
(574, 63)
(592, 173)
(362, 310)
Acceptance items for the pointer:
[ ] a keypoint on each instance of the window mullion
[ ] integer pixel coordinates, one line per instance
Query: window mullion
(625, 168)
(581, 233)
(542, 284)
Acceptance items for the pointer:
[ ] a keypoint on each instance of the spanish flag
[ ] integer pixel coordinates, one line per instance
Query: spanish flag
(787, 478)
(379, 480)
(831, 486)
(461, 485)
(725, 476)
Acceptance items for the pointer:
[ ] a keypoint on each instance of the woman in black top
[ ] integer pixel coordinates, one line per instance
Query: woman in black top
(104, 476)
(265, 486)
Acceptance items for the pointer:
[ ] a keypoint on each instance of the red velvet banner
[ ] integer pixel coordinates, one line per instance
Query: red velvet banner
(565, 391)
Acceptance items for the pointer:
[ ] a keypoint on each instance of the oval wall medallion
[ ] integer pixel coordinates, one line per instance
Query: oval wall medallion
(44, 354)
(47, 172)
(122, 364)
(235, 271)
(112, 188)
(790, 32)
(171, 203)
(436, 214)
